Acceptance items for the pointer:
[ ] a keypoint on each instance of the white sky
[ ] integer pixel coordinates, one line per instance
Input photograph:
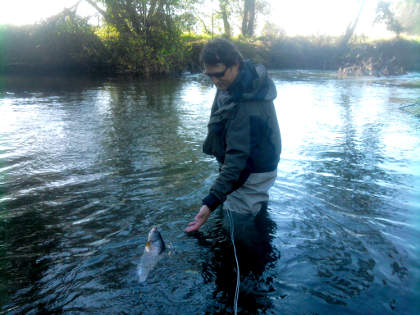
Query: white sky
(325, 17)
(295, 17)
(21, 12)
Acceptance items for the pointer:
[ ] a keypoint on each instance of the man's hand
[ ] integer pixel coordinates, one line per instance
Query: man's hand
(199, 219)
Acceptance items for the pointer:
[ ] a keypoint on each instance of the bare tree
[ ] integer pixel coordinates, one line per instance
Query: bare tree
(351, 27)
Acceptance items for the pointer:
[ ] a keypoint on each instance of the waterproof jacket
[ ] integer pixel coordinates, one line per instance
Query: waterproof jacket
(243, 132)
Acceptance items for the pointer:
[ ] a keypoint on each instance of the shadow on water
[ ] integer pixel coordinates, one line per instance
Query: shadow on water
(34, 86)
(24, 256)
(256, 257)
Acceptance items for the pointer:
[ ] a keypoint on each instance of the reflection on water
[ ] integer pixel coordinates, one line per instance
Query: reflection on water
(87, 167)
(253, 243)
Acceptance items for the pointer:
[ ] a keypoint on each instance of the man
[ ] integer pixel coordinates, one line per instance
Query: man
(243, 133)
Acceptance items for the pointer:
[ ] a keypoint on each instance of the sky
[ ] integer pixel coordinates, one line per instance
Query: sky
(295, 17)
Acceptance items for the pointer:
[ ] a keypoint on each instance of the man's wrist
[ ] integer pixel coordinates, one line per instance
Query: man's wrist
(211, 202)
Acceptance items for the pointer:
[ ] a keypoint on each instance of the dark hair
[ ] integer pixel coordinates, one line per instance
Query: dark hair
(220, 51)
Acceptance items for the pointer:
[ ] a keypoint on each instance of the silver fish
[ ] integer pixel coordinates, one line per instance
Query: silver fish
(155, 246)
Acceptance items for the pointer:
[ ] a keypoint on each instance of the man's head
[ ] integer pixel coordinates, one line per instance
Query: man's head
(221, 62)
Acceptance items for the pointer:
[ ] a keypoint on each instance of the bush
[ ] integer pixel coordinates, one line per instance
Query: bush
(67, 43)
(64, 42)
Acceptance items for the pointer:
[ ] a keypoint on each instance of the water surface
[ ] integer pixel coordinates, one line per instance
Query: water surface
(87, 167)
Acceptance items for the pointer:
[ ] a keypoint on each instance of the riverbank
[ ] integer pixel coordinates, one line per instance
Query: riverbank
(78, 48)
(326, 53)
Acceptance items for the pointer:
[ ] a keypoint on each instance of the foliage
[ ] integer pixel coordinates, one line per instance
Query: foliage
(407, 13)
(64, 41)
(232, 17)
(399, 17)
(71, 37)
(272, 31)
(154, 41)
(248, 18)
(225, 14)
(326, 52)
(385, 15)
(149, 33)
(304, 53)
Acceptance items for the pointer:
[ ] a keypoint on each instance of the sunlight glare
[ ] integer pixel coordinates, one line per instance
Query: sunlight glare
(24, 12)
(325, 17)
(295, 17)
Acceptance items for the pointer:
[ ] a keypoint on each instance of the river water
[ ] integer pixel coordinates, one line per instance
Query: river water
(88, 167)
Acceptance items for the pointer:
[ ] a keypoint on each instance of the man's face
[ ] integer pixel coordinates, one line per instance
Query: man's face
(221, 75)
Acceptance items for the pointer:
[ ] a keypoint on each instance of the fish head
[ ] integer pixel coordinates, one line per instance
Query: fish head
(153, 234)
(155, 240)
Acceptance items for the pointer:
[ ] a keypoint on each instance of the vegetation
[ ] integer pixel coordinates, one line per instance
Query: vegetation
(384, 14)
(404, 16)
(149, 37)
(64, 42)
(147, 34)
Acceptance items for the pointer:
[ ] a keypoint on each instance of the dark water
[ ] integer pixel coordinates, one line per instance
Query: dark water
(88, 167)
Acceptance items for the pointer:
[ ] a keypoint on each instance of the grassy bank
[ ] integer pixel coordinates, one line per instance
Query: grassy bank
(68, 44)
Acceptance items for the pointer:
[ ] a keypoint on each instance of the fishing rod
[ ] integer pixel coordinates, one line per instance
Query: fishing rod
(238, 281)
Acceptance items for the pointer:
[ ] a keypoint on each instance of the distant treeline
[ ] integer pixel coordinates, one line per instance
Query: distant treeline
(66, 43)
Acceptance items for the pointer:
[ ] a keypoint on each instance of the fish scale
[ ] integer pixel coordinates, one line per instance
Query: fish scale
(153, 250)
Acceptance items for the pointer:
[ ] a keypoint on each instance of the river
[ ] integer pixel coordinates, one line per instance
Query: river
(89, 166)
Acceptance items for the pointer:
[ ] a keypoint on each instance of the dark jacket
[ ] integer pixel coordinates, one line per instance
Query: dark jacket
(243, 132)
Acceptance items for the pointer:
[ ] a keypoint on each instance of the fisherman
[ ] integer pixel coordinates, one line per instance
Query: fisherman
(243, 133)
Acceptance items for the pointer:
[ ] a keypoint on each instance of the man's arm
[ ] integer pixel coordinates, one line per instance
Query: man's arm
(237, 153)
(238, 149)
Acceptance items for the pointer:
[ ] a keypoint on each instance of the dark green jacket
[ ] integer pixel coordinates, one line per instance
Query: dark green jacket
(243, 132)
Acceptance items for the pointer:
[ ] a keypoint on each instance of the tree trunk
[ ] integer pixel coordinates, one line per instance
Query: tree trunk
(225, 17)
(351, 27)
(248, 20)
(251, 21)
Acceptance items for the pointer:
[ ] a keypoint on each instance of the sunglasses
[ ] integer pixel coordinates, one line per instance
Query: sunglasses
(216, 74)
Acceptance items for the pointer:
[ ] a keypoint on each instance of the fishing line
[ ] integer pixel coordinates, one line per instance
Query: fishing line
(238, 281)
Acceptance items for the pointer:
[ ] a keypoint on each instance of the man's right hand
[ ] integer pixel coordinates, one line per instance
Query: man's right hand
(199, 219)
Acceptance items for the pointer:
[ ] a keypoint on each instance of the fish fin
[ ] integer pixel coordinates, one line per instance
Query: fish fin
(147, 247)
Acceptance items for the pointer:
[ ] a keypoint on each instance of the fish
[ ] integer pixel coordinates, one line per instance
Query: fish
(155, 246)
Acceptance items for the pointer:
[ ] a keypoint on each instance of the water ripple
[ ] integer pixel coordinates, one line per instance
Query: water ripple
(87, 169)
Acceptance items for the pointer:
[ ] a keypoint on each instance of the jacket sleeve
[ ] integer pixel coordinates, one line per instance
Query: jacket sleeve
(238, 146)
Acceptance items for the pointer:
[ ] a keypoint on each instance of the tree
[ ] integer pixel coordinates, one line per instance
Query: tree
(408, 14)
(385, 15)
(273, 31)
(351, 27)
(148, 32)
(226, 12)
(248, 18)
(244, 11)
(137, 17)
